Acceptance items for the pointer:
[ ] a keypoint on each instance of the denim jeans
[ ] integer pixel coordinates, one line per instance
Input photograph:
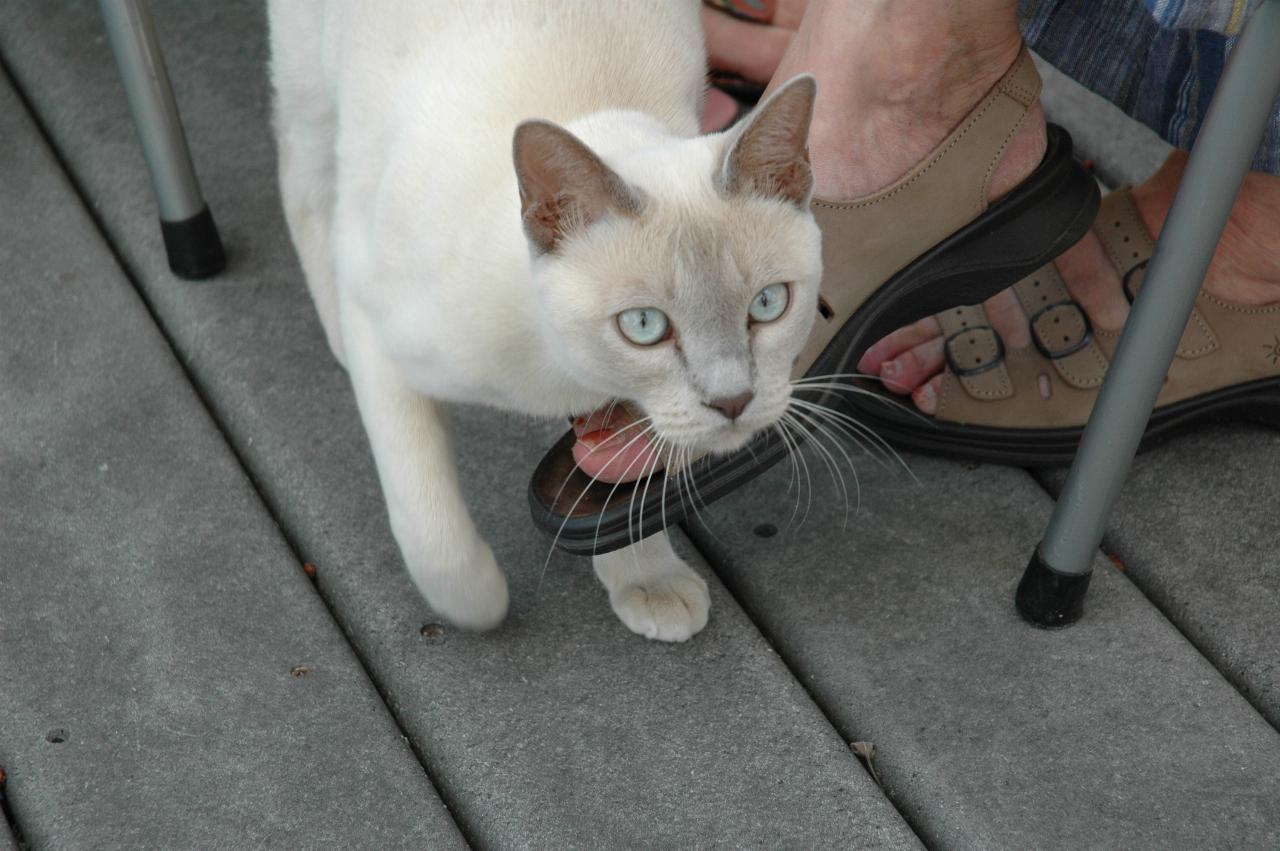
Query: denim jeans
(1158, 60)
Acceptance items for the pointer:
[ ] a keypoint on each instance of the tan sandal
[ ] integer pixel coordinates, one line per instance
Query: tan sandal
(1028, 406)
(928, 242)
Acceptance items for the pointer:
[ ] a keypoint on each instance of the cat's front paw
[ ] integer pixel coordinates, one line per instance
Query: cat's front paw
(472, 595)
(670, 606)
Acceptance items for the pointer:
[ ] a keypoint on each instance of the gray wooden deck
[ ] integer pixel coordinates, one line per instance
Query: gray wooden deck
(172, 453)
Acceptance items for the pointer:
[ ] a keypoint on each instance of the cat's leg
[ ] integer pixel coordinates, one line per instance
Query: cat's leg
(653, 591)
(307, 175)
(450, 563)
(306, 137)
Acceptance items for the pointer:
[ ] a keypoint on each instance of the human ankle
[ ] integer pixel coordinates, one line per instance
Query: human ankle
(938, 72)
(893, 82)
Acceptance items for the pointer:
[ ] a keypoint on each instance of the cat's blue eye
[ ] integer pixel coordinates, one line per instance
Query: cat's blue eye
(769, 303)
(643, 326)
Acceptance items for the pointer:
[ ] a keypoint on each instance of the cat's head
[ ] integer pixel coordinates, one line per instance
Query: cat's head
(681, 276)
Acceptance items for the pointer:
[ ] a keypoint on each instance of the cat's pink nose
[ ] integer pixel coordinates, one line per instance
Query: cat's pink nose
(732, 406)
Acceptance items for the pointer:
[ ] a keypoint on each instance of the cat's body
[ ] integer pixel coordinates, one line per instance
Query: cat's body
(442, 272)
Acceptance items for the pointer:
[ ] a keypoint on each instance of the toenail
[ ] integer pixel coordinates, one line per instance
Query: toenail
(890, 369)
(925, 395)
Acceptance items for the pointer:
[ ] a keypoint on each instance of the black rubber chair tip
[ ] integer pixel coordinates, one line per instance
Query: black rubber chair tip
(193, 246)
(1048, 599)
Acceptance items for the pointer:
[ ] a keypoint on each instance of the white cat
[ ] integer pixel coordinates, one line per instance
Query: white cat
(461, 248)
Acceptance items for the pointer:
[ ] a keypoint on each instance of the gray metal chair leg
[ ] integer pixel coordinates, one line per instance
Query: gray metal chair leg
(190, 236)
(1052, 589)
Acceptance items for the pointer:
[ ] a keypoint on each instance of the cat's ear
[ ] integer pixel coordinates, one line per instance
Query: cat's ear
(563, 184)
(769, 154)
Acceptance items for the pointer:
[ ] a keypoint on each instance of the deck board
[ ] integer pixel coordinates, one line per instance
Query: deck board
(153, 619)
(1196, 529)
(1114, 733)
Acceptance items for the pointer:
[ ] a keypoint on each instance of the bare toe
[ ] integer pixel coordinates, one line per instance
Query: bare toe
(913, 367)
(926, 395)
(1008, 319)
(898, 342)
(718, 111)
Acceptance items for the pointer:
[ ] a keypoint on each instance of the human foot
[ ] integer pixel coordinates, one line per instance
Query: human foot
(745, 43)
(1244, 271)
(718, 111)
(894, 79)
(751, 48)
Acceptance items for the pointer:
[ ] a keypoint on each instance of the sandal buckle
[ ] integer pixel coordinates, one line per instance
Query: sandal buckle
(1125, 283)
(978, 369)
(1055, 354)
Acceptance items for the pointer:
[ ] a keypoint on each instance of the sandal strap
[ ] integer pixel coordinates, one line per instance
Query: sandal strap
(1128, 245)
(1061, 329)
(866, 240)
(1123, 234)
(1062, 335)
(1250, 352)
(975, 353)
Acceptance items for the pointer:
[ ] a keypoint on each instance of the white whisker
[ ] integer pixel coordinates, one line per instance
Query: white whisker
(645, 473)
(835, 441)
(793, 449)
(695, 497)
(850, 428)
(821, 429)
(832, 375)
(888, 401)
(808, 477)
(569, 513)
(795, 470)
(862, 429)
(657, 459)
(613, 490)
(573, 469)
(828, 461)
(662, 502)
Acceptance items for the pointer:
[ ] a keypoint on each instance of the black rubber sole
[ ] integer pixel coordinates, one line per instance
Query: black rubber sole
(1254, 401)
(1046, 214)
